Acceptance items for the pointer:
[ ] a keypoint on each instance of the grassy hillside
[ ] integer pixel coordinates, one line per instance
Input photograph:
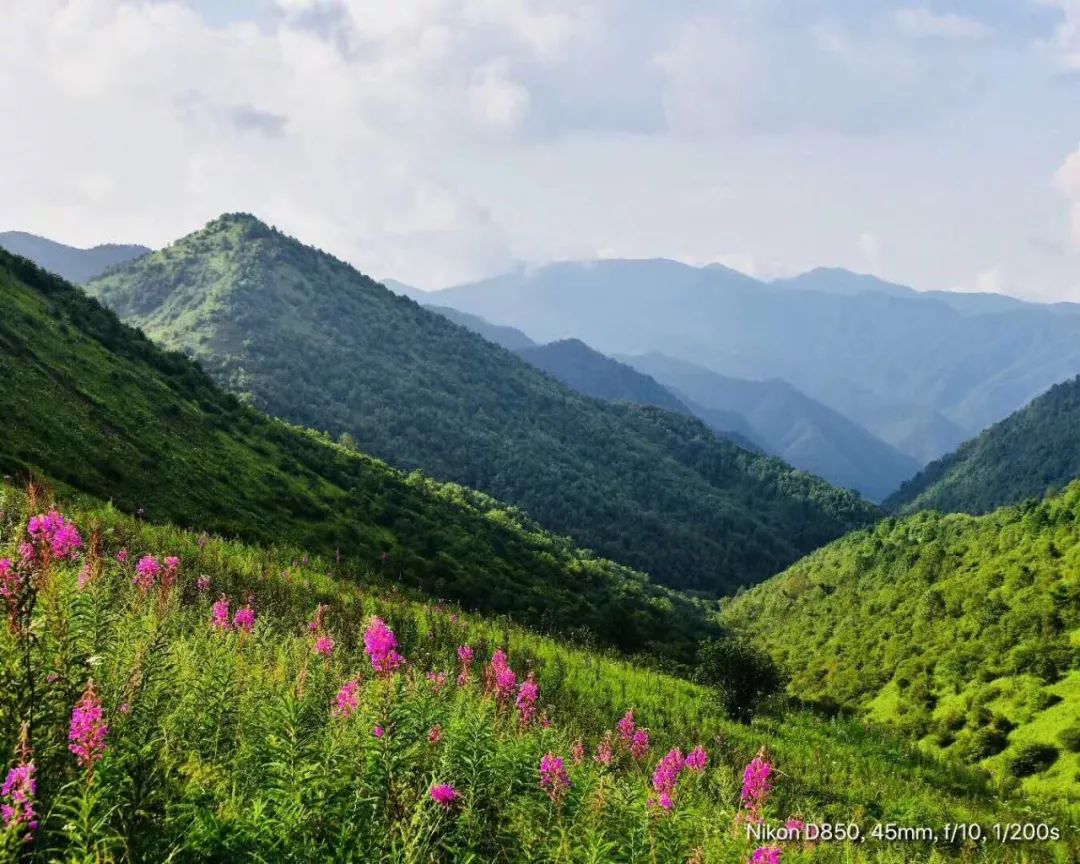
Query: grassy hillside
(97, 407)
(270, 736)
(305, 337)
(1034, 451)
(962, 632)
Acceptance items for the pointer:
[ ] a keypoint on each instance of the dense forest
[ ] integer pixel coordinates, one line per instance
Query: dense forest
(305, 337)
(960, 631)
(94, 406)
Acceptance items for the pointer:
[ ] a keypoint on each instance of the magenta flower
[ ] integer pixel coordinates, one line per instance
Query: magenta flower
(553, 777)
(324, 646)
(52, 530)
(9, 579)
(347, 699)
(219, 614)
(316, 624)
(697, 759)
(244, 619)
(639, 744)
(434, 736)
(501, 678)
(380, 645)
(528, 696)
(203, 583)
(378, 731)
(26, 553)
(122, 556)
(766, 855)
(444, 795)
(666, 776)
(577, 753)
(146, 572)
(756, 785)
(626, 727)
(795, 825)
(465, 655)
(88, 729)
(437, 680)
(17, 799)
(604, 752)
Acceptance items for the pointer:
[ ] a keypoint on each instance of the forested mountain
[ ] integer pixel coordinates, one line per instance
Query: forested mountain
(1034, 451)
(960, 631)
(96, 407)
(919, 371)
(791, 425)
(306, 337)
(509, 338)
(75, 265)
(590, 372)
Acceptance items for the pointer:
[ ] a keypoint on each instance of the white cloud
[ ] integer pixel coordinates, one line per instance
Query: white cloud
(870, 249)
(1065, 43)
(1067, 181)
(921, 23)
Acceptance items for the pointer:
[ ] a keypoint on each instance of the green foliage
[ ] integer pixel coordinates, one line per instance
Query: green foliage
(222, 746)
(305, 337)
(743, 676)
(1026, 455)
(961, 631)
(1032, 759)
(99, 409)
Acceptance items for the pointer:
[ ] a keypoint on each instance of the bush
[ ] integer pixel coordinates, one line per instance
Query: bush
(1032, 759)
(985, 743)
(1070, 738)
(742, 676)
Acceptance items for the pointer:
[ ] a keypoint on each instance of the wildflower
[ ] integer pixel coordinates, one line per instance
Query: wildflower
(577, 753)
(378, 732)
(437, 681)
(465, 655)
(501, 677)
(88, 730)
(52, 678)
(626, 726)
(795, 826)
(204, 538)
(61, 536)
(697, 759)
(316, 624)
(125, 708)
(17, 793)
(122, 556)
(666, 776)
(346, 701)
(444, 795)
(86, 573)
(9, 579)
(380, 645)
(766, 855)
(553, 777)
(244, 619)
(434, 735)
(172, 564)
(26, 553)
(324, 646)
(604, 752)
(528, 695)
(639, 744)
(146, 572)
(219, 614)
(203, 583)
(756, 785)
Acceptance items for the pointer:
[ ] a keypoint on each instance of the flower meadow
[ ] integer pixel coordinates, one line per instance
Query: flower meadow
(171, 696)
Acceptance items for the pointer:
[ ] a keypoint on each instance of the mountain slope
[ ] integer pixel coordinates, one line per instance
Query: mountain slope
(945, 368)
(75, 265)
(308, 338)
(590, 372)
(509, 338)
(961, 631)
(1035, 450)
(791, 425)
(95, 406)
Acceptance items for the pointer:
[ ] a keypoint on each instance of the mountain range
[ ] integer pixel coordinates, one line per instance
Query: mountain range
(305, 337)
(922, 372)
(75, 265)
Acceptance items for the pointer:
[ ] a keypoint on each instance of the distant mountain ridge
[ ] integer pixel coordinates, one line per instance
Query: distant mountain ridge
(75, 265)
(1032, 452)
(306, 337)
(919, 371)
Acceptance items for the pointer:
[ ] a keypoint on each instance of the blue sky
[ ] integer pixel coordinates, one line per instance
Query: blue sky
(932, 143)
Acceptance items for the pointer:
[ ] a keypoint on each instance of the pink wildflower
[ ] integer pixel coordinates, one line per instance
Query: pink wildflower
(17, 794)
(553, 777)
(378, 731)
(9, 579)
(465, 655)
(146, 572)
(122, 556)
(347, 700)
(437, 680)
(666, 776)
(52, 530)
(697, 759)
(501, 677)
(444, 795)
(434, 736)
(316, 624)
(766, 855)
(88, 730)
(380, 645)
(203, 583)
(26, 553)
(639, 744)
(577, 753)
(528, 695)
(219, 614)
(626, 727)
(324, 646)
(172, 564)
(86, 573)
(795, 825)
(756, 785)
(604, 752)
(244, 619)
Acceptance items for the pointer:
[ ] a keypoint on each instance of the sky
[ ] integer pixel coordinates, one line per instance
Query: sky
(935, 144)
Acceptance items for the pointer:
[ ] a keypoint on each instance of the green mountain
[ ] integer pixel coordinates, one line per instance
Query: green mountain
(921, 372)
(1034, 451)
(791, 425)
(75, 265)
(303, 336)
(97, 408)
(960, 631)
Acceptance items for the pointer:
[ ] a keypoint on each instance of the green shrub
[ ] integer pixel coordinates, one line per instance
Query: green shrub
(1032, 759)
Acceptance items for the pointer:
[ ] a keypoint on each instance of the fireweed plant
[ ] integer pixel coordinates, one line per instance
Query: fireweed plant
(296, 713)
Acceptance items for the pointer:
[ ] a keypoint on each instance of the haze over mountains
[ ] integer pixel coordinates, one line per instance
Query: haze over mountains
(75, 265)
(920, 372)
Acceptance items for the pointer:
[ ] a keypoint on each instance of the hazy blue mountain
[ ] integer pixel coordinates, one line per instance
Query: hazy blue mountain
(75, 265)
(413, 293)
(791, 425)
(1032, 452)
(914, 369)
(509, 337)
